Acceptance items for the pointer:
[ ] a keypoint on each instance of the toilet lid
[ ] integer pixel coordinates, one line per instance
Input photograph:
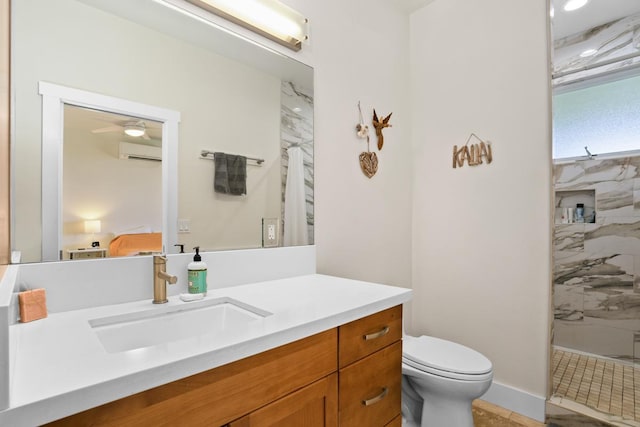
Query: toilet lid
(442, 355)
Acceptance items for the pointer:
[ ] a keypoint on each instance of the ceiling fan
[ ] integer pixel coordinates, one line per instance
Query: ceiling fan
(131, 128)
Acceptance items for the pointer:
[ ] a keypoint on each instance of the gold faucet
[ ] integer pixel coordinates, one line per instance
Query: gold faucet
(160, 279)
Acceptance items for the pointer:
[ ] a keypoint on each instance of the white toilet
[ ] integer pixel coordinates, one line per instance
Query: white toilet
(439, 380)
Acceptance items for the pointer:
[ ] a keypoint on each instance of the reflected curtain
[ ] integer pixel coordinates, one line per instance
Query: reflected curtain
(295, 213)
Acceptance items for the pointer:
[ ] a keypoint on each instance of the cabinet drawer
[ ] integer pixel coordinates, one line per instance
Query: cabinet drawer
(369, 334)
(370, 389)
(396, 422)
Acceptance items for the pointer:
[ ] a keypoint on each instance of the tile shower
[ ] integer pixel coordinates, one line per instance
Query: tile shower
(597, 265)
(596, 283)
(297, 128)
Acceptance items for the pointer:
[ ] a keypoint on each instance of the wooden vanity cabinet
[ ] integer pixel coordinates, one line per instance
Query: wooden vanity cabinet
(370, 375)
(314, 406)
(225, 394)
(396, 422)
(346, 376)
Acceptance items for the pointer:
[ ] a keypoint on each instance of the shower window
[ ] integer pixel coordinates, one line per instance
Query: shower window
(605, 118)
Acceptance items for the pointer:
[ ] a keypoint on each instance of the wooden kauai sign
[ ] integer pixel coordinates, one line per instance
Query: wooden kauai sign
(472, 154)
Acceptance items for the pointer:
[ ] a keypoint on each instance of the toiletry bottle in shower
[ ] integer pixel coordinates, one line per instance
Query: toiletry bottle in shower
(197, 272)
(580, 212)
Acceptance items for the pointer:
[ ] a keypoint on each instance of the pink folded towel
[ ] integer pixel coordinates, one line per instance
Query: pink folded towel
(33, 305)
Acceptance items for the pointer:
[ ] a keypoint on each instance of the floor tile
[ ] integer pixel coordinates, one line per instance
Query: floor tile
(486, 414)
(603, 384)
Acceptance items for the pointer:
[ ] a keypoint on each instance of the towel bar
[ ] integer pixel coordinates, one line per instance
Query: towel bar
(208, 155)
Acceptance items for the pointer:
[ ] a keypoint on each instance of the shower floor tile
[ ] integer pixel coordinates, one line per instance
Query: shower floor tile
(605, 385)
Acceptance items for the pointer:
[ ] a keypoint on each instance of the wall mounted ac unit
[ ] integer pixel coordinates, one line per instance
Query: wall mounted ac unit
(129, 150)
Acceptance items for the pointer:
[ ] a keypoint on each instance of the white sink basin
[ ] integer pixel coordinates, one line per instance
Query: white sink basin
(173, 323)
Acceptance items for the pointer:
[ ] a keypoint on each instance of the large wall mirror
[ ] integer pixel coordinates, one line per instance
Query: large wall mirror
(596, 251)
(83, 186)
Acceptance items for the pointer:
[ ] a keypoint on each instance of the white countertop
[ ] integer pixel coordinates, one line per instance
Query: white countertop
(60, 367)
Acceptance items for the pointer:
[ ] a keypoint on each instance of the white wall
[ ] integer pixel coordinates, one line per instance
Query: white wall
(360, 53)
(481, 235)
(477, 252)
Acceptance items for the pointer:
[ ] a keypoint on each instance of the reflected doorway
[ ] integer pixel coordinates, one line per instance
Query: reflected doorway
(112, 184)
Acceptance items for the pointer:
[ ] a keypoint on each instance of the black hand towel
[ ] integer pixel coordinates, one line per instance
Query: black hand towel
(237, 172)
(230, 175)
(220, 175)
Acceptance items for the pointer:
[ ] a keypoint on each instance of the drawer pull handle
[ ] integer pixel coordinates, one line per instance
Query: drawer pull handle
(384, 331)
(378, 398)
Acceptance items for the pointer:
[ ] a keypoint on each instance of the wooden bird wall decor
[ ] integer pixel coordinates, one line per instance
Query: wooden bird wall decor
(472, 154)
(368, 159)
(379, 125)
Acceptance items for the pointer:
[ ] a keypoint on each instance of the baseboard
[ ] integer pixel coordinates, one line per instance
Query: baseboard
(515, 400)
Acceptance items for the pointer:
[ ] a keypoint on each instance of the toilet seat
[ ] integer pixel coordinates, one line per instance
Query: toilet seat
(445, 359)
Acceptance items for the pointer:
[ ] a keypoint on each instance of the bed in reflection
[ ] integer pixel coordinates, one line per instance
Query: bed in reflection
(135, 244)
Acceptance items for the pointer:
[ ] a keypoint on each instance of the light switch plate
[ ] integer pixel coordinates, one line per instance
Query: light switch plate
(184, 226)
(269, 232)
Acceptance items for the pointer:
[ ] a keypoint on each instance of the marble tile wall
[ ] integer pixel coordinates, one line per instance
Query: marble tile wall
(597, 265)
(297, 128)
(614, 41)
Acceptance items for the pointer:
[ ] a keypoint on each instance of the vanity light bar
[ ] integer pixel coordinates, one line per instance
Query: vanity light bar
(269, 18)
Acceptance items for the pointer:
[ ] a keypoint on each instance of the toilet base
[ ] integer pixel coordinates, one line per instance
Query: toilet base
(438, 413)
(445, 402)
(445, 395)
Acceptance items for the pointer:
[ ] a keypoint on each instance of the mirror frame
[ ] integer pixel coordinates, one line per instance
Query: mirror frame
(54, 98)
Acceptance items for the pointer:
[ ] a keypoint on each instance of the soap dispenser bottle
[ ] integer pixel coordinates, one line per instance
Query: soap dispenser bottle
(197, 274)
